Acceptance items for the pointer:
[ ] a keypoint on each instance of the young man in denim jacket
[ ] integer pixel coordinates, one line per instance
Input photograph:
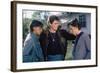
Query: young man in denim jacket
(32, 51)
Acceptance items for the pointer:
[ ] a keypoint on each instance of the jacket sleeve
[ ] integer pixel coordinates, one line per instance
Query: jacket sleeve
(88, 47)
(39, 52)
(81, 52)
(67, 35)
(27, 49)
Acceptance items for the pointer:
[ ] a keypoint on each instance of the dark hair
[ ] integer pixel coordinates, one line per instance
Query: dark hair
(35, 23)
(75, 23)
(53, 18)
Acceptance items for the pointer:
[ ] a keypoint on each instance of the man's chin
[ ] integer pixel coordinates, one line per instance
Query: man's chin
(38, 34)
(56, 29)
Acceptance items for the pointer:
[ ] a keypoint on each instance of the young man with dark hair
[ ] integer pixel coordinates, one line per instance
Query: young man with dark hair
(54, 40)
(32, 51)
(82, 47)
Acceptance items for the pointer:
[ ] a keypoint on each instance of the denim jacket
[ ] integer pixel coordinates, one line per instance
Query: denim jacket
(32, 51)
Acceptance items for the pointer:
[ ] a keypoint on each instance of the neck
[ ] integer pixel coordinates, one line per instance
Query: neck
(52, 31)
(78, 32)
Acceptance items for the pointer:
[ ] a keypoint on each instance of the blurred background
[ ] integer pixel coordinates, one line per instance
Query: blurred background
(65, 18)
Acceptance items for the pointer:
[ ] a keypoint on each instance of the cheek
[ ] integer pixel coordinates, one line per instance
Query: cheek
(56, 26)
(72, 31)
(37, 30)
(53, 26)
(40, 30)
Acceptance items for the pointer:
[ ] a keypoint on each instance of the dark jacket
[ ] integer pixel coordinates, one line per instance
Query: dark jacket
(63, 36)
(32, 51)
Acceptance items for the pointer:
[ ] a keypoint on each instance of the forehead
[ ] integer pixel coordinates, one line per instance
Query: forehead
(70, 26)
(38, 27)
(56, 21)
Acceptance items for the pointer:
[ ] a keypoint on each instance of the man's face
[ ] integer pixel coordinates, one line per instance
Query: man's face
(55, 25)
(37, 30)
(73, 30)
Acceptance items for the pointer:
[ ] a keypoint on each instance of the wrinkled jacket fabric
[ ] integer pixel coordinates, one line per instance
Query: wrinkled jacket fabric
(32, 51)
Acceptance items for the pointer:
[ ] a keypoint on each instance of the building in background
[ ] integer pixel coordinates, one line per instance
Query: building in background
(84, 20)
